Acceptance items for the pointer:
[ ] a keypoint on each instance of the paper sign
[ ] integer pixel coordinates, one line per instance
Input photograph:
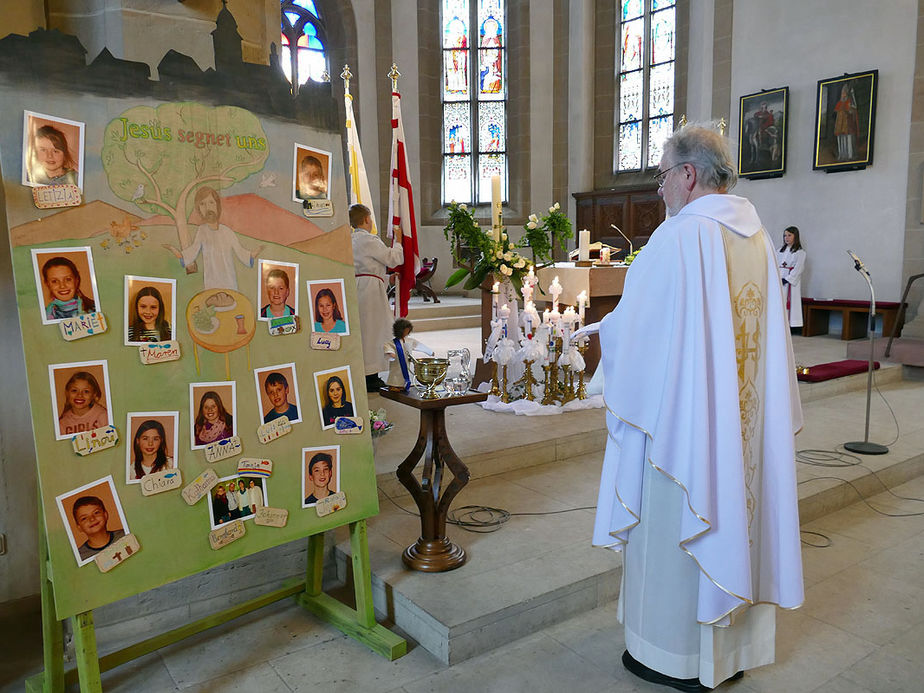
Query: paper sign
(331, 504)
(274, 429)
(158, 352)
(318, 208)
(348, 425)
(116, 553)
(250, 466)
(53, 196)
(285, 325)
(85, 325)
(87, 442)
(223, 449)
(324, 341)
(271, 517)
(158, 482)
(227, 533)
(200, 486)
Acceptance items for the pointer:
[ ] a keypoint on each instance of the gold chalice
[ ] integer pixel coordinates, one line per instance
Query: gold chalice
(430, 372)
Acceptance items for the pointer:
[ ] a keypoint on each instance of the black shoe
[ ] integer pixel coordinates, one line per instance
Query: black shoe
(652, 676)
(374, 383)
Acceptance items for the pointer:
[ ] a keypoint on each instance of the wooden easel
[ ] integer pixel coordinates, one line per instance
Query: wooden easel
(358, 623)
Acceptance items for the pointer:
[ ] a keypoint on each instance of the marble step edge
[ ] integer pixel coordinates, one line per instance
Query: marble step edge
(887, 374)
(442, 310)
(452, 322)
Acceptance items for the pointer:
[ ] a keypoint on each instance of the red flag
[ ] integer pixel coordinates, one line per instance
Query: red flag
(401, 210)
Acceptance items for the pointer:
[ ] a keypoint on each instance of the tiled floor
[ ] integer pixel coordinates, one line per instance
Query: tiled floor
(860, 630)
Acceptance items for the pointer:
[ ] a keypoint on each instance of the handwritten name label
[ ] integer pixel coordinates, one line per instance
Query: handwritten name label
(158, 352)
(81, 326)
(318, 208)
(331, 504)
(223, 449)
(348, 425)
(289, 324)
(323, 341)
(87, 442)
(200, 487)
(271, 517)
(53, 196)
(225, 534)
(274, 429)
(251, 466)
(117, 553)
(158, 482)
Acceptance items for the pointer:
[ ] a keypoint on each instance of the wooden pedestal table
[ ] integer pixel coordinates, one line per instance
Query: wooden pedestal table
(433, 552)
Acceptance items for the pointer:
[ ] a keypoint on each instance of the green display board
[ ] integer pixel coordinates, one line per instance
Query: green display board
(145, 170)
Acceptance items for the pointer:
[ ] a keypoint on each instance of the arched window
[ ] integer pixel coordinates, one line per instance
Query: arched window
(645, 57)
(474, 99)
(304, 43)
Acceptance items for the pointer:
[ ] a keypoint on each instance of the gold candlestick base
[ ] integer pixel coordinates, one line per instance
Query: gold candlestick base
(568, 385)
(505, 396)
(548, 396)
(495, 387)
(582, 390)
(528, 380)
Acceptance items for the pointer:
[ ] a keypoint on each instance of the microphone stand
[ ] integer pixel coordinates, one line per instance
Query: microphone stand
(865, 447)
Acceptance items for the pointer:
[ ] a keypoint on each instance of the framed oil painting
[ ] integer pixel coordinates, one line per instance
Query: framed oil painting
(845, 121)
(763, 119)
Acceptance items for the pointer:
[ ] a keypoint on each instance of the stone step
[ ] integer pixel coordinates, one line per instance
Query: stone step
(450, 322)
(887, 374)
(445, 308)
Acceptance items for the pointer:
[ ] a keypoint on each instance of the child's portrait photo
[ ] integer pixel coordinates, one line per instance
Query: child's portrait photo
(328, 306)
(236, 498)
(277, 392)
(334, 388)
(311, 174)
(277, 287)
(65, 283)
(52, 150)
(150, 310)
(93, 518)
(153, 448)
(79, 397)
(320, 473)
(211, 412)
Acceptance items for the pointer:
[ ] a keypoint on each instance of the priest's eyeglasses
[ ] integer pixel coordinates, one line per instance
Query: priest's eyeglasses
(660, 176)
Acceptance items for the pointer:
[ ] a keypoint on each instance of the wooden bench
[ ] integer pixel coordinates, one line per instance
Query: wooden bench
(854, 316)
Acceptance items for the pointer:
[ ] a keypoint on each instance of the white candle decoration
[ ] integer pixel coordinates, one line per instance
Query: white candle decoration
(495, 297)
(584, 245)
(546, 316)
(605, 256)
(555, 289)
(582, 302)
(496, 203)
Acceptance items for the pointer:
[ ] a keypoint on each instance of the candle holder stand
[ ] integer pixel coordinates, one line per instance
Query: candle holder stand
(527, 381)
(495, 388)
(505, 396)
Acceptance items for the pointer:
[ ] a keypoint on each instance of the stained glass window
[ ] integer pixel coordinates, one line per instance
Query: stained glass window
(303, 43)
(474, 96)
(645, 66)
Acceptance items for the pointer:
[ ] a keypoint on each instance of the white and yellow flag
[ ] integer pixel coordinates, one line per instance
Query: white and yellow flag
(359, 182)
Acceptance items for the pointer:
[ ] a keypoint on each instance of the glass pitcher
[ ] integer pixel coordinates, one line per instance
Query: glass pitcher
(459, 374)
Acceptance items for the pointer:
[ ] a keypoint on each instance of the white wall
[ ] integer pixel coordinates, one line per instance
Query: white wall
(796, 43)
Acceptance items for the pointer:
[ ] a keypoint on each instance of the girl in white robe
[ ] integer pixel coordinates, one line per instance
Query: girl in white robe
(791, 261)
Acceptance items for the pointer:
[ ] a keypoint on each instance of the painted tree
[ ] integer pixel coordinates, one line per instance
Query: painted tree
(158, 157)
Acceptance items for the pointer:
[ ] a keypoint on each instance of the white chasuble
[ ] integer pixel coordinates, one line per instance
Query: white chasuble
(702, 406)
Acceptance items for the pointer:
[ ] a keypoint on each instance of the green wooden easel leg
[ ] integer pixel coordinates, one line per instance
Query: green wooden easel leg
(85, 653)
(360, 623)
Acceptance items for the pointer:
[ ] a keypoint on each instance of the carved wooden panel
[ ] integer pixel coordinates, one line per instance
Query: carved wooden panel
(636, 212)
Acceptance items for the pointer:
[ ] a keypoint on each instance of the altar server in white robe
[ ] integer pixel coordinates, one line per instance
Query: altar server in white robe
(371, 259)
(698, 484)
(791, 261)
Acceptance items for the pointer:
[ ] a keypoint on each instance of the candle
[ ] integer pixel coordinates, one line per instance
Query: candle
(546, 317)
(495, 297)
(504, 313)
(605, 256)
(555, 290)
(584, 245)
(496, 203)
(582, 301)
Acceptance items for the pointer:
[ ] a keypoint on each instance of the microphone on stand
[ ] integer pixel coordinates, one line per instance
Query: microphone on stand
(631, 248)
(858, 263)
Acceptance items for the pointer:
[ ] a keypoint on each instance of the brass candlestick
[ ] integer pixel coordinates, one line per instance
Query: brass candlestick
(567, 393)
(527, 381)
(495, 388)
(505, 396)
(548, 396)
(582, 391)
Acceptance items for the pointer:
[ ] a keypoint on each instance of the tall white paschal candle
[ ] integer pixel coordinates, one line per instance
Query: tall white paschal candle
(584, 245)
(496, 203)
(495, 297)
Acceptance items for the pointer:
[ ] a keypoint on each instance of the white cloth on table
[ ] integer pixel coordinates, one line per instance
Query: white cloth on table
(791, 265)
(372, 257)
(219, 247)
(699, 335)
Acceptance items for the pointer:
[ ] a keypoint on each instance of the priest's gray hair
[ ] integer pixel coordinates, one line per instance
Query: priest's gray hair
(701, 145)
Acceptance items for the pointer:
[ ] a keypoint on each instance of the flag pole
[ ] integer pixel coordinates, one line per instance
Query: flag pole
(393, 74)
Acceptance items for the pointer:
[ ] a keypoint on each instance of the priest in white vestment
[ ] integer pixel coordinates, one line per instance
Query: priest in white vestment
(371, 259)
(698, 484)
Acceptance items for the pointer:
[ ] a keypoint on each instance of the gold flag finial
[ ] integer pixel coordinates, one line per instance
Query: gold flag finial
(394, 74)
(325, 76)
(346, 76)
(723, 126)
(683, 120)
